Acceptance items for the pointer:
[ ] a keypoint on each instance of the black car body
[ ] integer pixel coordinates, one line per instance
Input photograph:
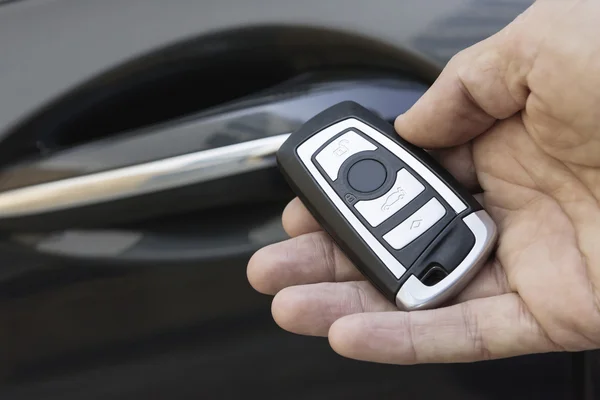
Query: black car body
(139, 290)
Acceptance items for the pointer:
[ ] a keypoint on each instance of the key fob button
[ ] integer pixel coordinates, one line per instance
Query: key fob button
(339, 150)
(405, 189)
(366, 175)
(415, 225)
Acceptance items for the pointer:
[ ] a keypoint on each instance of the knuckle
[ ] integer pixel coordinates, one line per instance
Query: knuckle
(362, 299)
(474, 334)
(412, 355)
(326, 251)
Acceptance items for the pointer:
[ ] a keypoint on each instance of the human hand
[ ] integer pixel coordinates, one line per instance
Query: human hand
(517, 118)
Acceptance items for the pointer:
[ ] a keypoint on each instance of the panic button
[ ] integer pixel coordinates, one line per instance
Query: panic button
(335, 153)
(405, 189)
(415, 225)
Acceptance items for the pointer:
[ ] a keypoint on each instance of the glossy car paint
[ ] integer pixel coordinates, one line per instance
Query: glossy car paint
(72, 330)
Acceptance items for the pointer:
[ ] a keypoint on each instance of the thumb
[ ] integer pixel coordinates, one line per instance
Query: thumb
(480, 85)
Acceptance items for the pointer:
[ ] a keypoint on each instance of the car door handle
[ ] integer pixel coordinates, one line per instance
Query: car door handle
(217, 157)
(140, 179)
(189, 190)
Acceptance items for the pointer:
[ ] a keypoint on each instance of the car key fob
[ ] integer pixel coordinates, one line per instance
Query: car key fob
(403, 220)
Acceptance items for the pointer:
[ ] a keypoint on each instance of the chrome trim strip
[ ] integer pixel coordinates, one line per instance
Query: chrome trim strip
(305, 152)
(140, 179)
(414, 295)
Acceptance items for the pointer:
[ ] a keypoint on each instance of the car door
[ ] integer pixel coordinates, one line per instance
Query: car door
(137, 177)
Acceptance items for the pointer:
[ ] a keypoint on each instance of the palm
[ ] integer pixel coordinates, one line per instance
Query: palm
(536, 199)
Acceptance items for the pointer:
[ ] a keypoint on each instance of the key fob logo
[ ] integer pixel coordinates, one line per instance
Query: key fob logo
(342, 148)
(393, 197)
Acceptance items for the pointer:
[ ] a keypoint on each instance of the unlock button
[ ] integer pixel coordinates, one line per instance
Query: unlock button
(335, 153)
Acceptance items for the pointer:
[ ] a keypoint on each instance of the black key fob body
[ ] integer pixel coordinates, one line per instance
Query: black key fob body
(403, 220)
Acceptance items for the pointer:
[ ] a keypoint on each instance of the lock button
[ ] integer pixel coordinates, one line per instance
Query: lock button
(339, 150)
